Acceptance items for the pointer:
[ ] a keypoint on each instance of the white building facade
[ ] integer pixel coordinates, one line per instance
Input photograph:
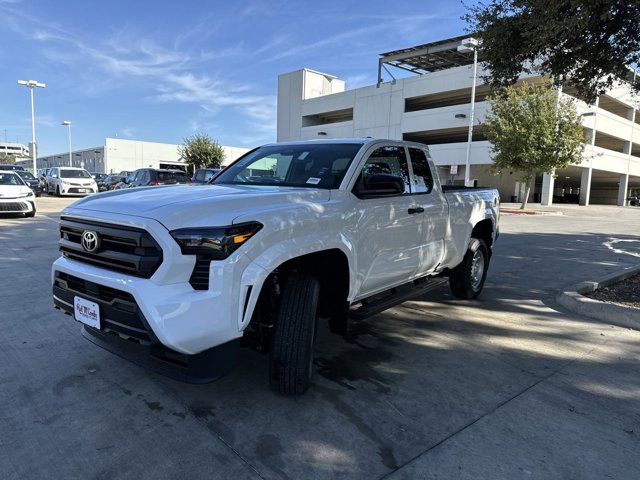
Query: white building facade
(119, 154)
(433, 107)
(17, 150)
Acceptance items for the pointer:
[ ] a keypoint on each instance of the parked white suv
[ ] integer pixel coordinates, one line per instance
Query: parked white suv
(70, 181)
(174, 276)
(15, 194)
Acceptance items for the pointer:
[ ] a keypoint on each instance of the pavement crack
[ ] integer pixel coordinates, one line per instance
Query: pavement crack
(484, 415)
(201, 420)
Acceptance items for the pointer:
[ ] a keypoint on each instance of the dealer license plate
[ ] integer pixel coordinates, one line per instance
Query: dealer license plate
(82, 190)
(87, 312)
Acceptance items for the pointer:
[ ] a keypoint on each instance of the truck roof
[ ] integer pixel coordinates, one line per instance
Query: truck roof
(362, 140)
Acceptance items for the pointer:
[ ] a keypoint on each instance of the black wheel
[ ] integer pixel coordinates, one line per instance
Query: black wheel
(291, 358)
(58, 191)
(467, 279)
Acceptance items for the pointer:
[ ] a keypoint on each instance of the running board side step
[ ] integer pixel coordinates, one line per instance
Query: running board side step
(390, 298)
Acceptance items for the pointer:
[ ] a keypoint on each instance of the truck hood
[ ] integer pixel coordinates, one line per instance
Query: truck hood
(193, 206)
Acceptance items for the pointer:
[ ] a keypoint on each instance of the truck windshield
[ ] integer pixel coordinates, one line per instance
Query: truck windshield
(320, 165)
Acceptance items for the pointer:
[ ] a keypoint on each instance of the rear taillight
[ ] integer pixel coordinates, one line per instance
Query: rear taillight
(154, 182)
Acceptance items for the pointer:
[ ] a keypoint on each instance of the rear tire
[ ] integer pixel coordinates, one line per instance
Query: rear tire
(467, 279)
(291, 358)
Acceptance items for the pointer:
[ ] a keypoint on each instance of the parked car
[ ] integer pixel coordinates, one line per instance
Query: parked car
(15, 195)
(99, 178)
(70, 181)
(126, 180)
(111, 180)
(329, 229)
(31, 181)
(145, 177)
(10, 166)
(634, 201)
(42, 178)
(204, 175)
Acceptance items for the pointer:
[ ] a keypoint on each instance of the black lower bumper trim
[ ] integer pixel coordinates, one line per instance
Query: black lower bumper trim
(126, 333)
(203, 367)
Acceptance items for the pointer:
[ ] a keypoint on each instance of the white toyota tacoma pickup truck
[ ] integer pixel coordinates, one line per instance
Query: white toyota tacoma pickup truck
(173, 277)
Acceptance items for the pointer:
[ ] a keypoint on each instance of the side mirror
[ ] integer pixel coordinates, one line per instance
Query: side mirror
(379, 185)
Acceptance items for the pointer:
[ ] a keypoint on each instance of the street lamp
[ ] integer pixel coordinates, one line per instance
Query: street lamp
(68, 124)
(31, 84)
(470, 45)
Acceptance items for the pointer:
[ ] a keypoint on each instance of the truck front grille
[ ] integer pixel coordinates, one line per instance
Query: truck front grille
(121, 248)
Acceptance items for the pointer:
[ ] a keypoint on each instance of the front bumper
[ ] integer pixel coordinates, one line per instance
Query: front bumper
(76, 190)
(181, 318)
(17, 205)
(125, 332)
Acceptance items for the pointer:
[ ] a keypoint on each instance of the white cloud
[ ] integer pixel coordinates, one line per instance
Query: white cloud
(127, 132)
(171, 74)
(358, 80)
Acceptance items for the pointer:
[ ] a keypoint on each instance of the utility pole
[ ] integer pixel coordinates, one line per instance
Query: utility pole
(31, 84)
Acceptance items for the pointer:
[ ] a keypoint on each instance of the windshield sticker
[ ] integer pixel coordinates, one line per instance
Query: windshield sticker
(313, 180)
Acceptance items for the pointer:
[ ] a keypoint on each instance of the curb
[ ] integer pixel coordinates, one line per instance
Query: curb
(574, 300)
(517, 211)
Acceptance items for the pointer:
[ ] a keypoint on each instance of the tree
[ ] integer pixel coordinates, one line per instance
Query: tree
(590, 43)
(532, 131)
(200, 150)
(4, 158)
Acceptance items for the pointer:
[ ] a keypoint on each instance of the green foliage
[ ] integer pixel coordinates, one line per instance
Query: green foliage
(588, 42)
(4, 158)
(532, 132)
(200, 150)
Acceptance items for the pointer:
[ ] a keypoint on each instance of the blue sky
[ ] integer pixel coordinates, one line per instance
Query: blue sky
(162, 70)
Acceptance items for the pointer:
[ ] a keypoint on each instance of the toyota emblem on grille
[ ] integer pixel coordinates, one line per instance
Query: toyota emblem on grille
(90, 241)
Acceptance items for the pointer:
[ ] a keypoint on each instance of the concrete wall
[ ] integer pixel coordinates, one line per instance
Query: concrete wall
(132, 154)
(379, 111)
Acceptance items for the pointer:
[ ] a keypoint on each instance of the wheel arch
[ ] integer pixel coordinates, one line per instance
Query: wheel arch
(483, 230)
(332, 266)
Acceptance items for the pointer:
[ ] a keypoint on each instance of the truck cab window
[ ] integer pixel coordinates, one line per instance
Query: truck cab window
(422, 177)
(390, 160)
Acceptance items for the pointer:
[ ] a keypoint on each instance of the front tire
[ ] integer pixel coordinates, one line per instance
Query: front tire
(467, 279)
(291, 358)
(58, 191)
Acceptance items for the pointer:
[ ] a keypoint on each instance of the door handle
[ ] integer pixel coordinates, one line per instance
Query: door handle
(414, 210)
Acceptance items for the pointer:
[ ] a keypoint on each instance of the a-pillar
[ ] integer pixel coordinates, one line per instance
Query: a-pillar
(585, 186)
(547, 188)
(623, 190)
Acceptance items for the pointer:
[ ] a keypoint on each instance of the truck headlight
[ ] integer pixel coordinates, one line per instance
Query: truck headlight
(215, 243)
(23, 195)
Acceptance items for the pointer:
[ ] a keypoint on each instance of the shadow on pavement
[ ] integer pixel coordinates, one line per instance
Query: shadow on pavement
(434, 388)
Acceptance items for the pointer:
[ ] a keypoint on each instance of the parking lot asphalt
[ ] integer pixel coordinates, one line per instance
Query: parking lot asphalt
(507, 386)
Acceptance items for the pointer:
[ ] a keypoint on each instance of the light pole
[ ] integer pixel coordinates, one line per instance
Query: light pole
(31, 84)
(468, 45)
(68, 124)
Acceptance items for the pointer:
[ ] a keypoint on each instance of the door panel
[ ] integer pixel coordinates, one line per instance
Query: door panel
(435, 218)
(389, 236)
